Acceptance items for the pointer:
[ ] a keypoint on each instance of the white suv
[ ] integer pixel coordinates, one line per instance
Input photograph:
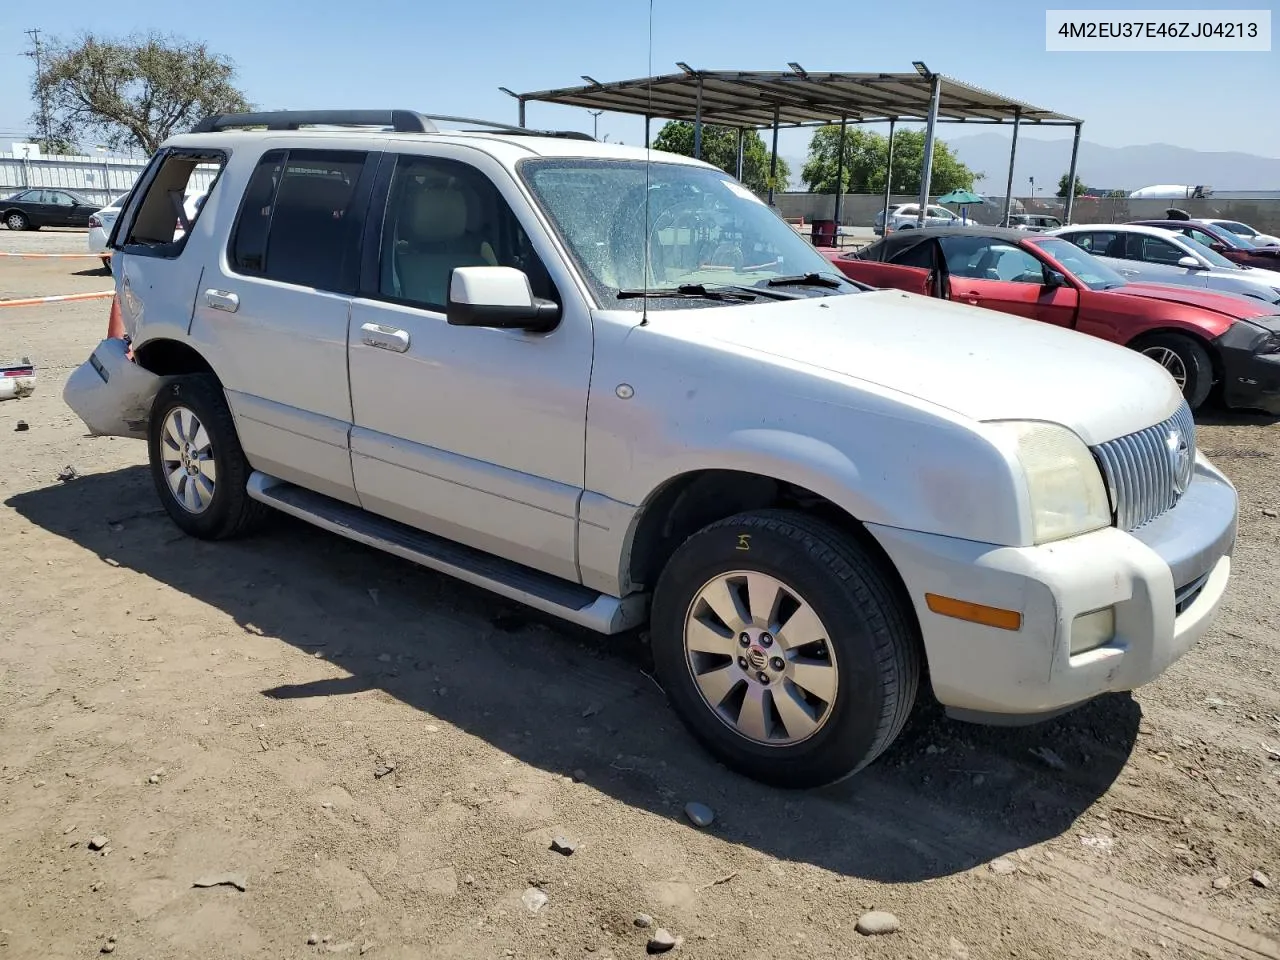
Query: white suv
(617, 387)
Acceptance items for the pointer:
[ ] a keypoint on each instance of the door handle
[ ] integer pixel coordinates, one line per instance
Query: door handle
(222, 300)
(384, 338)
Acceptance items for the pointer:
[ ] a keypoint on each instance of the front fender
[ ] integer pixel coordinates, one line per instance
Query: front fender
(941, 481)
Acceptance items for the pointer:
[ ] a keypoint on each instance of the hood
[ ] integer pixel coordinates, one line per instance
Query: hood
(978, 363)
(1227, 304)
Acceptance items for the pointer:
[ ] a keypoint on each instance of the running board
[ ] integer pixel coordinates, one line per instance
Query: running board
(542, 591)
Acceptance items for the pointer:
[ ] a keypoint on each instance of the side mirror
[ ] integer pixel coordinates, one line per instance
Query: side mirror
(1190, 263)
(1053, 278)
(497, 297)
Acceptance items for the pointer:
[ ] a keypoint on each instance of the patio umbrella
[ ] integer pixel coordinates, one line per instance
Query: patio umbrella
(964, 198)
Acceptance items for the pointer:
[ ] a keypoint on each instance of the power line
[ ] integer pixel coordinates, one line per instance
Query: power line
(36, 53)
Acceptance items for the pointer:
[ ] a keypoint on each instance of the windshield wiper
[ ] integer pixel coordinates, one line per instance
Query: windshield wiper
(686, 291)
(807, 280)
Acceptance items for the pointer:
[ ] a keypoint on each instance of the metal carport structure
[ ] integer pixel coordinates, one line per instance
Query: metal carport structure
(760, 100)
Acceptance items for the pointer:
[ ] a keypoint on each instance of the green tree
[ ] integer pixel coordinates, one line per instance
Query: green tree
(866, 154)
(1062, 186)
(132, 92)
(720, 148)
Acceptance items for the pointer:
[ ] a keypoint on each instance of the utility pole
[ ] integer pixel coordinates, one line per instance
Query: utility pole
(37, 55)
(595, 123)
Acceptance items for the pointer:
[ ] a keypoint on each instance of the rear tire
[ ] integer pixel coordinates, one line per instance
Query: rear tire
(15, 220)
(1187, 361)
(831, 664)
(197, 464)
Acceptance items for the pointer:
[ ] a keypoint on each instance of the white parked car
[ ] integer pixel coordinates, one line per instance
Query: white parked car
(1156, 255)
(1246, 231)
(621, 389)
(100, 225)
(905, 215)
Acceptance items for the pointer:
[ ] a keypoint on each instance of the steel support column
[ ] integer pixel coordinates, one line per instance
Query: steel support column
(1013, 153)
(926, 166)
(1071, 177)
(646, 132)
(521, 102)
(740, 139)
(888, 177)
(697, 125)
(773, 158)
(844, 123)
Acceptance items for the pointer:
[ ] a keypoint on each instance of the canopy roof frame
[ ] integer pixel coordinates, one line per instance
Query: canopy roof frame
(797, 98)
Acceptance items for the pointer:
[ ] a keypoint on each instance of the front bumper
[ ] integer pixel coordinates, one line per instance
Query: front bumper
(1164, 583)
(111, 393)
(1250, 379)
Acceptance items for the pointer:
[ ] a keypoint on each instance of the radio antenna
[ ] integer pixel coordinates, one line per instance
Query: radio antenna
(644, 316)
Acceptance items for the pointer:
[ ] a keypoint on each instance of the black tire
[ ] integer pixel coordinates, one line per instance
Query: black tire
(106, 263)
(17, 220)
(1196, 364)
(229, 512)
(876, 645)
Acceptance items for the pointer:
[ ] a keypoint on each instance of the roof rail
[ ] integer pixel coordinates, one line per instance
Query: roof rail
(401, 121)
(508, 128)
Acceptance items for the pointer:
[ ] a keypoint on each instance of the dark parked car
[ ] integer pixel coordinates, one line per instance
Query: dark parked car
(1222, 241)
(46, 207)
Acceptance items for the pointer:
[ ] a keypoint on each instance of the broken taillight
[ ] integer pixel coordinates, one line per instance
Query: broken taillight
(95, 221)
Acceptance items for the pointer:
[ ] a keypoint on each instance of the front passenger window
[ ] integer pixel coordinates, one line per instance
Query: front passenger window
(443, 214)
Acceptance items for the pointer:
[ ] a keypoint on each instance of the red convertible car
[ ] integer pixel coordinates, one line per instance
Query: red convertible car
(1199, 336)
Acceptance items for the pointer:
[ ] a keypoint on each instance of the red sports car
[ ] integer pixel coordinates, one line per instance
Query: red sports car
(1199, 336)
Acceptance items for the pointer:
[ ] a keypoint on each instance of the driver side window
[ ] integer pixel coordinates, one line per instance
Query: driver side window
(443, 214)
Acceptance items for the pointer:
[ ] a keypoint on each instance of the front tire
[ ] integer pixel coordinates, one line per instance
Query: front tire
(1186, 360)
(197, 464)
(16, 220)
(785, 648)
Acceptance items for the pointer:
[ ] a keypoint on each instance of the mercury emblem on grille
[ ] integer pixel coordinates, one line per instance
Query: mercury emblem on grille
(1181, 459)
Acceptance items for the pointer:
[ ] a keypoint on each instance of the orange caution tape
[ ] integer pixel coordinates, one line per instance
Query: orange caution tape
(66, 297)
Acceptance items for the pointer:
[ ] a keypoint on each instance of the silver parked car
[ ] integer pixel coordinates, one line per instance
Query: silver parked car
(1256, 237)
(905, 216)
(1156, 255)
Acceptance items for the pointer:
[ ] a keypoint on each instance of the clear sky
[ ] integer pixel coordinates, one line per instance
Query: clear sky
(450, 57)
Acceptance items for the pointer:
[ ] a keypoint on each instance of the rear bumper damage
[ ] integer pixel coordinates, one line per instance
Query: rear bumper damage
(111, 393)
(17, 379)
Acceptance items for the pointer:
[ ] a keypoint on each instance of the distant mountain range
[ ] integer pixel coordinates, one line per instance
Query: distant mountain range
(1114, 168)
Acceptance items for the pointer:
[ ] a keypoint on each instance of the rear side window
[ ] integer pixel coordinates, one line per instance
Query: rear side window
(160, 221)
(296, 220)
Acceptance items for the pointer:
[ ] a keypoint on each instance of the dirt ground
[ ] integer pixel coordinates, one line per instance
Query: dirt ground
(382, 756)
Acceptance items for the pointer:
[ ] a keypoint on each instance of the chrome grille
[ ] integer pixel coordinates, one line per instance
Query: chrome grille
(1142, 469)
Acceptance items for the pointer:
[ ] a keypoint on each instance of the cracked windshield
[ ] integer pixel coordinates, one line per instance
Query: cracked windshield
(703, 230)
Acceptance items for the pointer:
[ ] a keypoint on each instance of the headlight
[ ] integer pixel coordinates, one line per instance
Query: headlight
(1065, 491)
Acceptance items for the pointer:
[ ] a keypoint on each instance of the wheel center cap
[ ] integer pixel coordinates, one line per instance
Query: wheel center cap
(757, 657)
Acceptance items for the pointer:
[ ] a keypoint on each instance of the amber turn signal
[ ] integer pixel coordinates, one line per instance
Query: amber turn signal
(974, 612)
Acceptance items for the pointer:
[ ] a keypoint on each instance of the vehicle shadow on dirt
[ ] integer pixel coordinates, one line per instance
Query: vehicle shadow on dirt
(946, 797)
